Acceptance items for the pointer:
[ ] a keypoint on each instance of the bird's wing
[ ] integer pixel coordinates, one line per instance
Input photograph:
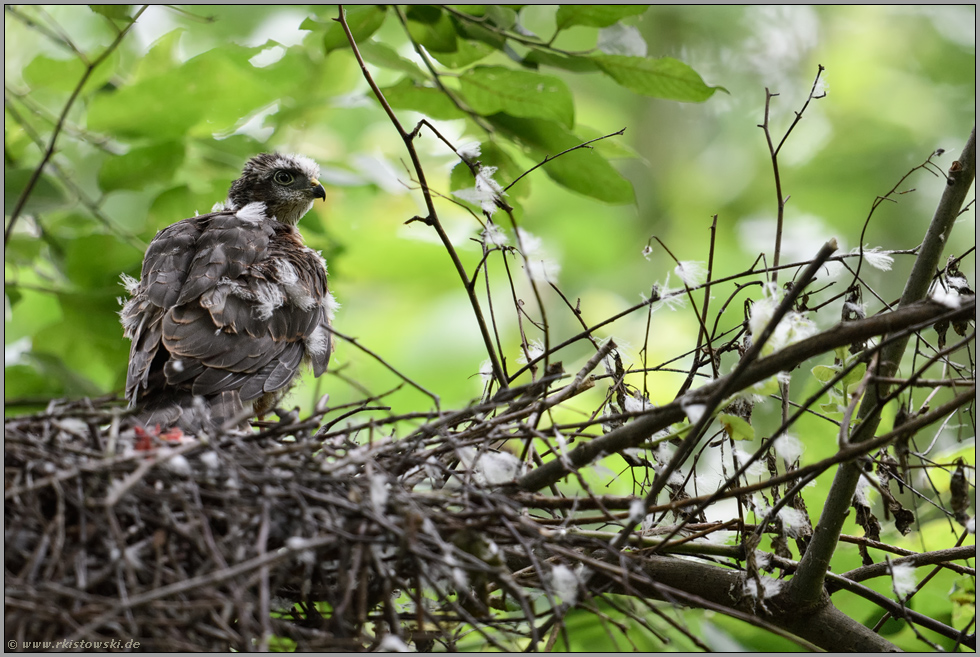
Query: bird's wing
(247, 312)
(165, 268)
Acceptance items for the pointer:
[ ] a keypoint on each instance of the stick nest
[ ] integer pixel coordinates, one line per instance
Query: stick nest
(300, 535)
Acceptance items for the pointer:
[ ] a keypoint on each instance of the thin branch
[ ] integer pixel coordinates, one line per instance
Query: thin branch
(528, 270)
(433, 218)
(387, 365)
(774, 158)
(68, 181)
(647, 302)
(513, 36)
(479, 120)
(927, 165)
(49, 152)
(912, 317)
(585, 144)
(808, 583)
(728, 384)
(936, 557)
(60, 39)
(701, 317)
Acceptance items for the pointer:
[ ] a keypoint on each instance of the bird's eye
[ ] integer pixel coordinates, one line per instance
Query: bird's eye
(283, 177)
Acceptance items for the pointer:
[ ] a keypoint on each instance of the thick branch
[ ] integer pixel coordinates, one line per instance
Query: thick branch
(786, 359)
(729, 384)
(808, 583)
(939, 557)
(713, 587)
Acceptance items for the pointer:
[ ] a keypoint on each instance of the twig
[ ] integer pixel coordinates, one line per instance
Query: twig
(56, 36)
(435, 74)
(520, 38)
(549, 158)
(701, 317)
(215, 577)
(936, 557)
(887, 197)
(36, 174)
(391, 368)
(432, 219)
(67, 180)
(728, 384)
(161, 456)
(910, 318)
(586, 334)
(528, 269)
(774, 157)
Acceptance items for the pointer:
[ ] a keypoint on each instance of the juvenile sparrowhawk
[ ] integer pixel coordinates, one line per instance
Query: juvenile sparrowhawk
(230, 304)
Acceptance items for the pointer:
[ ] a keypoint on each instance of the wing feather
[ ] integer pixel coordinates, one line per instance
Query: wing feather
(226, 305)
(287, 365)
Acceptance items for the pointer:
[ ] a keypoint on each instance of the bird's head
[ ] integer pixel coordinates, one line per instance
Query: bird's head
(287, 184)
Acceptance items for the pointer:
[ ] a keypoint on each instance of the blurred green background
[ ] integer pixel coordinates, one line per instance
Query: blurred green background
(179, 101)
(165, 123)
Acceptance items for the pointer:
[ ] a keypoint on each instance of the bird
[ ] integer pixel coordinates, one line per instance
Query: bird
(230, 305)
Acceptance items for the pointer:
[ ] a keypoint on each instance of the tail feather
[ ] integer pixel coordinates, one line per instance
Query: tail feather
(193, 413)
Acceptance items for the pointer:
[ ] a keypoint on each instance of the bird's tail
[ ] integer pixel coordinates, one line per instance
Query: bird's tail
(194, 413)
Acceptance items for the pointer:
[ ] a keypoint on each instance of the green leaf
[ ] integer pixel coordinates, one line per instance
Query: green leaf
(480, 33)
(501, 16)
(824, 374)
(95, 261)
(45, 375)
(161, 57)
(432, 28)
(582, 170)
(595, 15)
(472, 10)
(460, 177)
(766, 387)
(45, 196)
(430, 101)
(23, 249)
(737, 428)
(363, 21)
(58, 74)
(142, 166)
(855, 375)
(576, 63)
(493, 89)
(118, 12)
(963, 597)
(491, 155)
(312, 25)
(178, 203)
(832, 410)
(10, 291)
(64, 74)
(384, 56)
(25, 381)
(93, 347)
(661, 78)
(214, 90)
(427, 14)
(467, 52)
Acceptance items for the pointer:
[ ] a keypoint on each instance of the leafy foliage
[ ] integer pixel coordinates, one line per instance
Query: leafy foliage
(120, 120)
(146, 122)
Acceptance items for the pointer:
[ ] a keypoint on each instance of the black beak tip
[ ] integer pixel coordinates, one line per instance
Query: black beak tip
(319, 192)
